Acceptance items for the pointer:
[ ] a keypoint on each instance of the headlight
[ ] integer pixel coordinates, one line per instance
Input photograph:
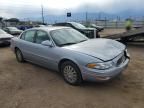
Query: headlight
(104, 65)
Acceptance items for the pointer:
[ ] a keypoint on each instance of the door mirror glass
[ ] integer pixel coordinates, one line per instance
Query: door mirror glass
(47, 43)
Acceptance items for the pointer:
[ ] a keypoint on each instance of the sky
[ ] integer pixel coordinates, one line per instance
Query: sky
(29, 8)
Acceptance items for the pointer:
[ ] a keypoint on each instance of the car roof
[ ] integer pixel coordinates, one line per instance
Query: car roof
(49, 28)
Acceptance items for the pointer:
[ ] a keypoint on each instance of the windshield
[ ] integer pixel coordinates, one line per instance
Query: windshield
(78, 25)
(67, 36)
(12, 28)
(2, 32)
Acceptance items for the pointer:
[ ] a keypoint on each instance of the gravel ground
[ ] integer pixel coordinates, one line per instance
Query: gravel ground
(30, 86)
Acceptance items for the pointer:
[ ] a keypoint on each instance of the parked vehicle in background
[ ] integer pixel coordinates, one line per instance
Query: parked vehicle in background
(99, 28)
(89, 32)
(5, 38)
(70, 52)
(41, 25)
(24, 27)
(12, 30)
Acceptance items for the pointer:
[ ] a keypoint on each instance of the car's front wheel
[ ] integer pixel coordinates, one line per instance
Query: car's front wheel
(71, 73)
(19, 55)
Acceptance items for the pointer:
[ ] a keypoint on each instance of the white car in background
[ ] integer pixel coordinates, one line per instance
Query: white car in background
(5, 38)
(12, 30)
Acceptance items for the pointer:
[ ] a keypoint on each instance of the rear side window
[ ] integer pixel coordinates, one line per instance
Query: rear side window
(29, 36)
(41, 36)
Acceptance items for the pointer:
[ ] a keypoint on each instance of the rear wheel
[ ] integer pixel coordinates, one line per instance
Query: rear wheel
(19, 55)
(71, 73)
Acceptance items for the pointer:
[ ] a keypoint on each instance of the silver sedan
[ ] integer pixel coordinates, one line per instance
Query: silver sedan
(68, 51)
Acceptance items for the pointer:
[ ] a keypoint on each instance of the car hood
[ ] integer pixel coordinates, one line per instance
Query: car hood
(6, 36)
(104, 49)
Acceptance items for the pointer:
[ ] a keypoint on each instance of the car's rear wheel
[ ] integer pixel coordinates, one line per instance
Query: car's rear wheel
(71, 73)
(19, 55)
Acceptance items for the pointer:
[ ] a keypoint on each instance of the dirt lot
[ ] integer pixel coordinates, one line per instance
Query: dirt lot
(29, 86)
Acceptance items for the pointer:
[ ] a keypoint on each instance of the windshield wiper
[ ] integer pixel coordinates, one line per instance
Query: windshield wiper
(68, 43)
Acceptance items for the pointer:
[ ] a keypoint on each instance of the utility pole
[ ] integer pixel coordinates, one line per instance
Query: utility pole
(42, 13)
(99, 16)
(86, 17)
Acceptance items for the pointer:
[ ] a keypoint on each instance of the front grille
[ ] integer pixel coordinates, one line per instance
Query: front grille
(121, 60)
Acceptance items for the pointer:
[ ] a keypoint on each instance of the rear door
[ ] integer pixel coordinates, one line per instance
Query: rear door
(26, 44)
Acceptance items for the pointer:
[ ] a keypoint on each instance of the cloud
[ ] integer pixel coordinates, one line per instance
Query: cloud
(32, 8)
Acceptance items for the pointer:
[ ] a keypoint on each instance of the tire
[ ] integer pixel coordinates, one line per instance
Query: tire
(71, 73)
(19, 56)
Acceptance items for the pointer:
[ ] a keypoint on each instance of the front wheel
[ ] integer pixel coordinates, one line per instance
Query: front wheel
(71, 73)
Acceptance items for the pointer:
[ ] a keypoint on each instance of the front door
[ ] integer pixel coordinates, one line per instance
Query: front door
(44, 55)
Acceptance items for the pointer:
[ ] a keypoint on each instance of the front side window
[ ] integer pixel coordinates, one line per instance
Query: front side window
(6, 29)
(41, 36)
(68, 25)
(59, 24)
(29, 36)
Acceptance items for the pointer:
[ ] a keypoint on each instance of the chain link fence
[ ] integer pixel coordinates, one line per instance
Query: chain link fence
(114, 24)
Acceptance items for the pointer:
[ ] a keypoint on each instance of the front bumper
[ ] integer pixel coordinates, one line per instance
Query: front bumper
(103, 75)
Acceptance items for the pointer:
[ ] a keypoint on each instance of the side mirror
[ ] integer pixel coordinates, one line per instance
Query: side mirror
(47, 43)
